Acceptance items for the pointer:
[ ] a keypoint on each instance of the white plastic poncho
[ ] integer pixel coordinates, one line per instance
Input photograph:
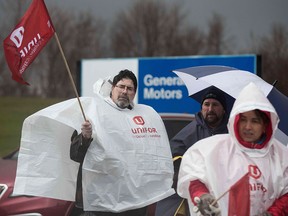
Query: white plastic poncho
(220, 161)
(128, 165)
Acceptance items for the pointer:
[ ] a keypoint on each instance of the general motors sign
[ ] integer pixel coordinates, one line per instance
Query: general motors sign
(158, 86)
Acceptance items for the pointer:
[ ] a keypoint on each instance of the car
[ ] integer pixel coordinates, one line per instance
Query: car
(174, 122)
(40, 206)
(25, 205)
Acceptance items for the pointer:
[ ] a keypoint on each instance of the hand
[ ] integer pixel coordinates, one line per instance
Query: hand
(205, 207)
(86, 130)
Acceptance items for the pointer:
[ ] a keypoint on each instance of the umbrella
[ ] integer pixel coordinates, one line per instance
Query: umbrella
(232, 81)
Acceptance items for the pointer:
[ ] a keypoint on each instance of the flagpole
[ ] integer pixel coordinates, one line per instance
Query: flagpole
(216, 200)
(70, 75)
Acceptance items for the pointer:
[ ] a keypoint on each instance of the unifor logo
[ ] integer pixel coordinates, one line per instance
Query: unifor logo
(139, 120)
(17, 36)
(254, 171)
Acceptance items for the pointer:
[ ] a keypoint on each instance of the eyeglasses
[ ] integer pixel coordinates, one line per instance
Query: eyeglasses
(124, 87)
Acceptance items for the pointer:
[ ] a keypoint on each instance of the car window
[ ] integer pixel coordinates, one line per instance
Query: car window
(173, 126)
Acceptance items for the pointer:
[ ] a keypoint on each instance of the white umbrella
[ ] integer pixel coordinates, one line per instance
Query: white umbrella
(232, 81)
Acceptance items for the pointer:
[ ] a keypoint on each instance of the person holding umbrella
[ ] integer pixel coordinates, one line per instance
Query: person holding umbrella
(211, 120)
(212, 165)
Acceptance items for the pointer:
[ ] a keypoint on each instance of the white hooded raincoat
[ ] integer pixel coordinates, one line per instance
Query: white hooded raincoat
(128, 165)
(220, 161)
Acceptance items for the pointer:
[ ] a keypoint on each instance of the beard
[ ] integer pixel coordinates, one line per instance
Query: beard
(212, 119)
(123, 102)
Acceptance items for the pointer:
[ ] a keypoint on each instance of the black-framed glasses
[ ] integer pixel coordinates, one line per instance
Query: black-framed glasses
(124, 87)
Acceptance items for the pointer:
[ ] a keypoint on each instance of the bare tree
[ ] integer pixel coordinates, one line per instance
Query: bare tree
(216, 43)
(8, 21)
(274, 52)
(192, 42)
(81, 36)
(150, 28)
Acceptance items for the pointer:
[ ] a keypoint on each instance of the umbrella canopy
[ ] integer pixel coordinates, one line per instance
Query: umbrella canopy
(232, 81)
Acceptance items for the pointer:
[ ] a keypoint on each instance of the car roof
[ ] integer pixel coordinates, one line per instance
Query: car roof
(177, 116)
(174, 122)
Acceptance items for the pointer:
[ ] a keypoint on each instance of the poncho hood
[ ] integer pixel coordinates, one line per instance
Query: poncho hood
(251, 98)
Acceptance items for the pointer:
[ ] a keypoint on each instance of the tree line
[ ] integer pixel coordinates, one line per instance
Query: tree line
(147, 29)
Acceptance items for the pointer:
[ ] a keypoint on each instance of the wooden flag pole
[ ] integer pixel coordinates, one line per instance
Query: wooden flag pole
(70, 75)
(216, 200)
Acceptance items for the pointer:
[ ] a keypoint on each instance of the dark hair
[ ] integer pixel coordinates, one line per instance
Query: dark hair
(262, 115)
(125, 74)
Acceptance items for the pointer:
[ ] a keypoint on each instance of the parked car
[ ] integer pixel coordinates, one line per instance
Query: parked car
(40, 206)
(25, 205)
(174, 122)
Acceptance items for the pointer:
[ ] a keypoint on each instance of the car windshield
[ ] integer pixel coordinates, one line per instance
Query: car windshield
(174, 124)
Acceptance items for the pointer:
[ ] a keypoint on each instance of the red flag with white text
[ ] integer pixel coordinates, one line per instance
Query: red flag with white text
(239, 197)
(27, 39)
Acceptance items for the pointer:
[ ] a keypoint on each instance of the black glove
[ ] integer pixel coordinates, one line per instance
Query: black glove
(204, 205)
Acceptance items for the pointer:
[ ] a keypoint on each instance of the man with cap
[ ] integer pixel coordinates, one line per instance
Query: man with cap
(211, 120)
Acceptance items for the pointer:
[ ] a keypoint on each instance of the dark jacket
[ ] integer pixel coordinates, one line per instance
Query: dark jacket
(78, 149)
(194, 132)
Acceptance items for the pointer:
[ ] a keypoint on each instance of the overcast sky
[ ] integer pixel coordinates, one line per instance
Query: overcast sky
(242, 17)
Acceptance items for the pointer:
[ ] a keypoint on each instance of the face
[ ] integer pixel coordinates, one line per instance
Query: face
(212, 111)
(251, 127)
(123, 93)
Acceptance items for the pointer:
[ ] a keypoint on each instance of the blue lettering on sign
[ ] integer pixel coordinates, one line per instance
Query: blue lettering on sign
(151, 91)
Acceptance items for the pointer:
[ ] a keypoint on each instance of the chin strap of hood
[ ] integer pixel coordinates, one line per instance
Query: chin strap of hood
(265, 138)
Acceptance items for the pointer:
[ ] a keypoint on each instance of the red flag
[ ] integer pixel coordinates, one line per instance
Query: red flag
(27, 39)
(239, 197)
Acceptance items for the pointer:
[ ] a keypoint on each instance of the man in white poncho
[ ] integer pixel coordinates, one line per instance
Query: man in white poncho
(213, 165)
(123, 150)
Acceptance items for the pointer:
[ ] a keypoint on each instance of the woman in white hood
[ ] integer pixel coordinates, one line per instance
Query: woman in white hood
(212, 165)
